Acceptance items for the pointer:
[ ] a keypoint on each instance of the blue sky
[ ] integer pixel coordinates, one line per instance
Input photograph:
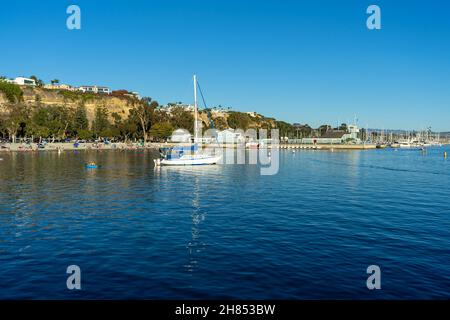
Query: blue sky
(300, 61)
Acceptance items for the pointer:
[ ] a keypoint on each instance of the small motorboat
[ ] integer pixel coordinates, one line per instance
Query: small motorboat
(252, 145)
(91, 165)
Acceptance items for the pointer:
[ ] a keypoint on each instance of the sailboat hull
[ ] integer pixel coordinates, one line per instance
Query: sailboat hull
(191, 161)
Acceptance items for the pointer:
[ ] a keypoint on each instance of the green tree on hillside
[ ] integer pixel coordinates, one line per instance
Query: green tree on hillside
(160, 116)
(36, 130)
(84, 134)
(15, 120)
(238, 120)
(343, 127)
(324, 128)
(180, 118)
(13, 92)
(285, 129)
(80, 121)
(142, 112)
(302, 130)
(161, 131)
(49, 121)
(220, 123)
(123, 128)
(101, 125)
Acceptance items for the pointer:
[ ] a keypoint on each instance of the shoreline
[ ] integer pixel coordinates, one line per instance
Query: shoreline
(68, 146)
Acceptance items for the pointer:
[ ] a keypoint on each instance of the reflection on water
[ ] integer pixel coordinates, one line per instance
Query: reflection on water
(187, 170)
(195, 246)
(225, 231)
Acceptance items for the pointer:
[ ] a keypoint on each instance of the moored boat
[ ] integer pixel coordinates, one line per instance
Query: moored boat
(189, 160)
(252, 145)
(180, 156)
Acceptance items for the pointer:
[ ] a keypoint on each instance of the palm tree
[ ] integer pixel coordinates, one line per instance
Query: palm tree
(54, 81)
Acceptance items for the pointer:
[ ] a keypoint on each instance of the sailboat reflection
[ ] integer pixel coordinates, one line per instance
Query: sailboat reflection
(196, 177)
(195, 246)
(196, 171)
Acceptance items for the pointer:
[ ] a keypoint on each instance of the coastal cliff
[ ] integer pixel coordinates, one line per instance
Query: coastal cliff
(121, 105)
(34, 96)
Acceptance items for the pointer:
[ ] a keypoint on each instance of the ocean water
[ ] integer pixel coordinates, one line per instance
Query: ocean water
(225, 231)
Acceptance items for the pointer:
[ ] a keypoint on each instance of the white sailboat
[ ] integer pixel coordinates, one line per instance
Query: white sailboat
(190, 156)
(404, 144)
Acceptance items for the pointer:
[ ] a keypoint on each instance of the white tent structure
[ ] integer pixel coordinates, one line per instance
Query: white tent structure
(230, 136)
(180, 135)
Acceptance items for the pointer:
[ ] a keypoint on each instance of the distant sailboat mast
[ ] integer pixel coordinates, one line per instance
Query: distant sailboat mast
(195, 110)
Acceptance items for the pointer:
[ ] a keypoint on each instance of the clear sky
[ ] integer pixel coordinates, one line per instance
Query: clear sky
(311, 61)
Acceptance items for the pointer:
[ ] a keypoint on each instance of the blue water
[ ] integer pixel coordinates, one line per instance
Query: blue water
(308, 232)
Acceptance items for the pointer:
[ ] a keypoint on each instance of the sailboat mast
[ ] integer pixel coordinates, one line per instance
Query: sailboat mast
(195, 109)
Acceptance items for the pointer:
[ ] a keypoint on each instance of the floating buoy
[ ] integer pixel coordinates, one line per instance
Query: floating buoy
(445, 155)
(91, 165)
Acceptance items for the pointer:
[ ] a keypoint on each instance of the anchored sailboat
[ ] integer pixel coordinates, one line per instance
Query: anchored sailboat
(187, 156)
